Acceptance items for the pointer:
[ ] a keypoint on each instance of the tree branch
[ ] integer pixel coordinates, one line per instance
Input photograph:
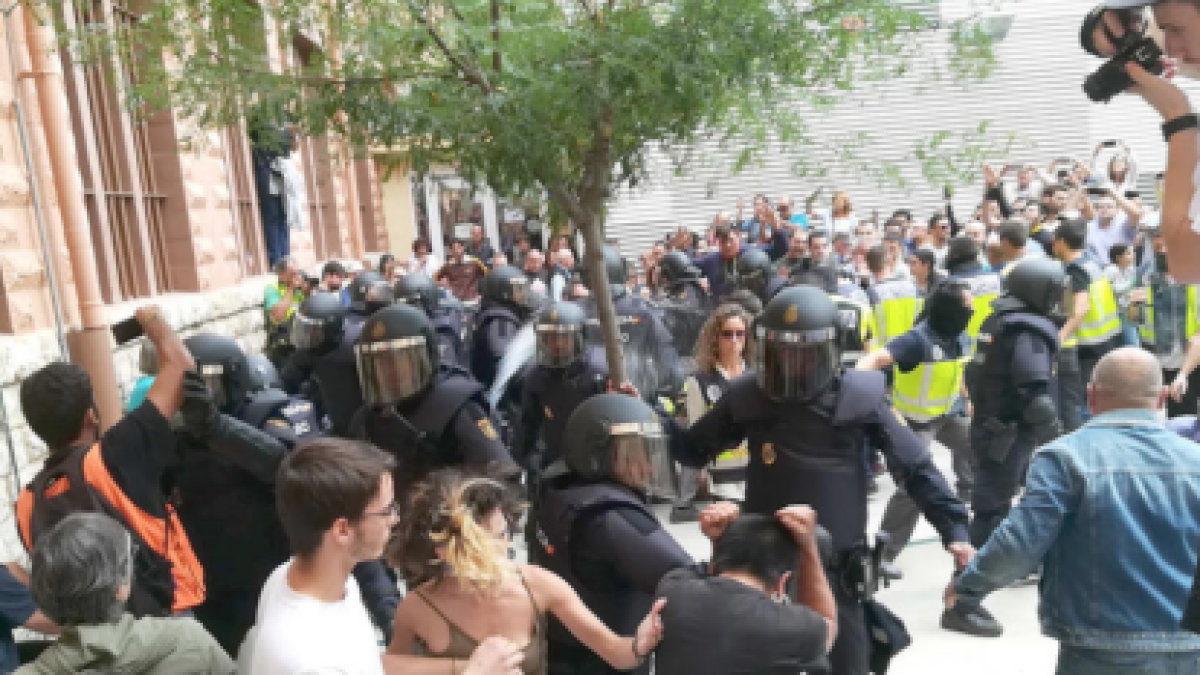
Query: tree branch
(496, 61)
(469, 74)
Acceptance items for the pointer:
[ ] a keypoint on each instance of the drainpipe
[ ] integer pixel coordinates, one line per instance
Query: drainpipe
(66, 312)
(91, 347)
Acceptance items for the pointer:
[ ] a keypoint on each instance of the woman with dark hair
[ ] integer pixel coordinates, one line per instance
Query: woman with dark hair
(722, 350)
(452, 546)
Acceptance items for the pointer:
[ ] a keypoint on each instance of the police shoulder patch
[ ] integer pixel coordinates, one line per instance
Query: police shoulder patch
(486, 428)
(768, 453)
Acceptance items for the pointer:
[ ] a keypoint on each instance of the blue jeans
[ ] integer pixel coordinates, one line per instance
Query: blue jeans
(1078, 661)
(1130, 332)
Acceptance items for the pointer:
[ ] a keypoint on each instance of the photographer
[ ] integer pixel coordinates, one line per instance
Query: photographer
(1180, 24)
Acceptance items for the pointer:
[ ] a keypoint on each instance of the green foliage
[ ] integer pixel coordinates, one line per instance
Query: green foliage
(522, 94)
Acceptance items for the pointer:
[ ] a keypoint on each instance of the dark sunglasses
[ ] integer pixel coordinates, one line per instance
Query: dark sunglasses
(731, 334)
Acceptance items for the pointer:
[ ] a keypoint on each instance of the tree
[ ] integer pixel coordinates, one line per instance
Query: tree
(566, 96)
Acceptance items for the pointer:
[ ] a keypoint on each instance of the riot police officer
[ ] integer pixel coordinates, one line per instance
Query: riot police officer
(224, 481)
(962, 261)
(502, 310)
(449, 323)
(334, 373)
(684, 302)
(754, 272)
(807, 427)
(560, 378)
(595, 526)
(651, 362)
(1011, 381)
(317, 329)
(428, 414)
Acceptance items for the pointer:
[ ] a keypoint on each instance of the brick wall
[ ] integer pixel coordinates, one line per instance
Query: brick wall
(235, 311)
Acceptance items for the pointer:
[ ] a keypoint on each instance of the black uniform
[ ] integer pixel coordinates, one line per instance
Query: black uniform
(809, 447)
(452, 330)
(224, 486)
(337, 392)
(598, 533)
(548, 397)
(496, 325)
(685, 307)
(651, 362)
(1011, 380)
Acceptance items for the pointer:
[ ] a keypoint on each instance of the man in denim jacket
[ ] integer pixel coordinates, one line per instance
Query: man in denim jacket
(1112, 512)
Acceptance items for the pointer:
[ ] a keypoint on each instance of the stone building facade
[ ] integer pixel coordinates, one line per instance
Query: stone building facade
(102, 212)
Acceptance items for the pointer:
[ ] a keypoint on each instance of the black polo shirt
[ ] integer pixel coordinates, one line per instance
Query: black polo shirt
(717, 626)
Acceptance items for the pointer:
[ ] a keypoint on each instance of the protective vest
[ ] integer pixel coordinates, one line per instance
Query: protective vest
(451, 330)
(564, 510)
(167, 575)
(289, 419)
(558, 393)
(990, 373)
(729, 466)
(858, 327)
(984, 289)
(284, 292)
(483, 359)
(417, 435)
(1103, 320)
(898, 302)
(336, 376)
(931, 389)
(811, 453)
(1191, 319)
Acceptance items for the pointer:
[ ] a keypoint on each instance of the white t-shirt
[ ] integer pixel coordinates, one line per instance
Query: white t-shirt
(300, 635)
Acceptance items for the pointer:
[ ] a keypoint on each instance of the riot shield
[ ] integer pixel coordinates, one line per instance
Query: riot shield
(520, 352)
(637, 348)
(684, 321)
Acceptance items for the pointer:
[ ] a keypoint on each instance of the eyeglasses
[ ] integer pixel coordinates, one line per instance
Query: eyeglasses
(392, 511)
(731, 334)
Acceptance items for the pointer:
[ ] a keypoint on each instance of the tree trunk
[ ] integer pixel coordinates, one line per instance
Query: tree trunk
(593, 238)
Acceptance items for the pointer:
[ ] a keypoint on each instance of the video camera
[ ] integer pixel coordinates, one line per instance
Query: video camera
(1120, 36)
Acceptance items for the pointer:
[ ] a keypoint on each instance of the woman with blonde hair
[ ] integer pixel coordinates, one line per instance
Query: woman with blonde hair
(452, 546)
(722, 350)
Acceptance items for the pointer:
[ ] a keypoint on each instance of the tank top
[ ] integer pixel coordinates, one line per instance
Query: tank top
(462, 645)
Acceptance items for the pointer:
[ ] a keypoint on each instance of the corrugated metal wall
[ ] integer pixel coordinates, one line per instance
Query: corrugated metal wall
(1036, 91)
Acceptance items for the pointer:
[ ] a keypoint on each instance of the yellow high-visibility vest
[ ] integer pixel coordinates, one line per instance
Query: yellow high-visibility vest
(984, 289)
(1191, 323)
(897, 304)
(930, 390)
(1103, 320)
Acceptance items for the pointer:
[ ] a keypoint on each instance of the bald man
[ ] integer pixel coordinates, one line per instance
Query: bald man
(1112, 513)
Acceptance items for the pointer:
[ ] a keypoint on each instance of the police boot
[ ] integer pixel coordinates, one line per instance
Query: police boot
(971, 619)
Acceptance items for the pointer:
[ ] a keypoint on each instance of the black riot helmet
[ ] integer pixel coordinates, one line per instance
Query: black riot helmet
(358, 290)
(397, 354)
(317, 326)
(263, 374)
(419, 290)
(379, 295)
(559, 330)
(754, 270)
(1041, 284)
(616, 437)
(223, 365)
(507, 285)
(797, 354)
(614, 267)
(676, 266)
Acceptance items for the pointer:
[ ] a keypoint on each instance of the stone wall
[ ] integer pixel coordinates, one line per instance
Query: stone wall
(235, 311)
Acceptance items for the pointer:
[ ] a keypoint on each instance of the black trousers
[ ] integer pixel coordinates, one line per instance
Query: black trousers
(996, 482)
(851, 654)
(1072, 394)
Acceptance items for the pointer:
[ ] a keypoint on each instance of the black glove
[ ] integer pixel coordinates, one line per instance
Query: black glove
(200, 414)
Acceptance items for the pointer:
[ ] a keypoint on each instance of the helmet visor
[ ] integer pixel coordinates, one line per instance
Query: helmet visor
(796, 365)
(558, 346)
(519, 291)
(642, 459)
(393, 371)
(214, 379)
(307, 333)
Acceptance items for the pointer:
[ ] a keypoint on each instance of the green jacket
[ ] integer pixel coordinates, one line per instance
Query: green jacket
(148, 646)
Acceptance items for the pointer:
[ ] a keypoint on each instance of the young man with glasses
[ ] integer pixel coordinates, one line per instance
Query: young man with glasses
(337, 505)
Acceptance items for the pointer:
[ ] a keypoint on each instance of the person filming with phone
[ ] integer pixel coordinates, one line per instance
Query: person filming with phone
(1117, 30)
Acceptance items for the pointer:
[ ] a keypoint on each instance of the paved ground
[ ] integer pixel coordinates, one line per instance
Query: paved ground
(917, 599)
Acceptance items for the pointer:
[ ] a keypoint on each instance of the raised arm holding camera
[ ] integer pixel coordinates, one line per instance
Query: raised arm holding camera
(1118, 30)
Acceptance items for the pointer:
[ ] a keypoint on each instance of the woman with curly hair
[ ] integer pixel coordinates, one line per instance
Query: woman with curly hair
(722, 350)
(452, 546)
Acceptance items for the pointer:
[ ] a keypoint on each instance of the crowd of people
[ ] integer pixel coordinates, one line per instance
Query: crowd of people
(260, 513)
